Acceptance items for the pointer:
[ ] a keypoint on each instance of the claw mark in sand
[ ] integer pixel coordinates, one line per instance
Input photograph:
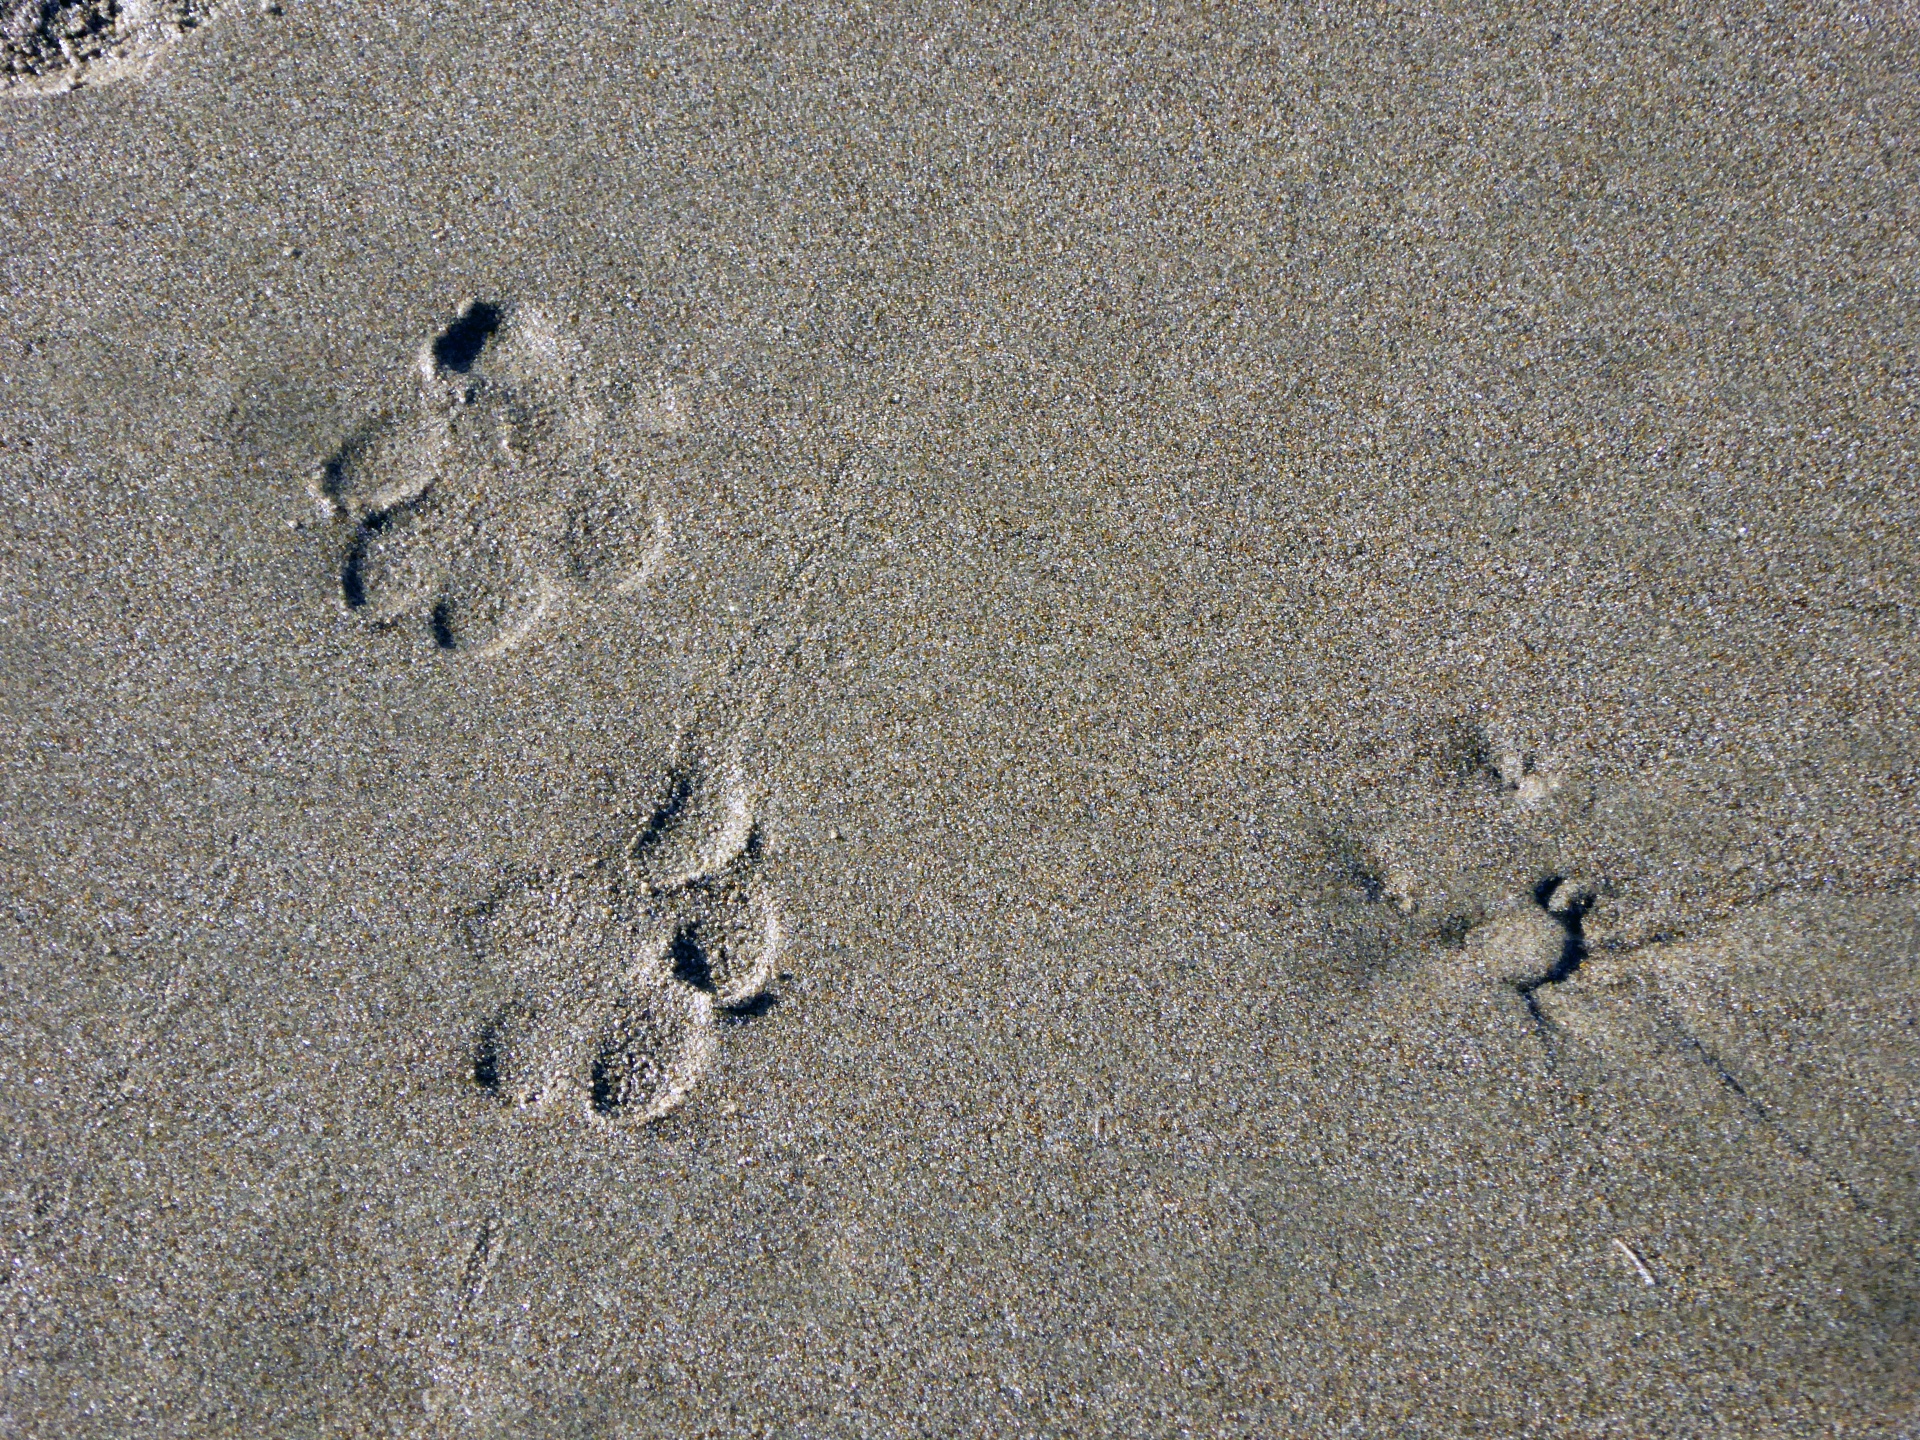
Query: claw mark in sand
(1569, 911)
(473, 1280)
(490, 504)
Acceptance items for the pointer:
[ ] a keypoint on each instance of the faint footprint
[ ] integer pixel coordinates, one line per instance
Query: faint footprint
(47, 46)
(1454, 832)
(617, 974)
(492, 502)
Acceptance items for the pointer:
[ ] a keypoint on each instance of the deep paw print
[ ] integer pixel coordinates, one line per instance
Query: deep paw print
(492, 503)
(617, 975)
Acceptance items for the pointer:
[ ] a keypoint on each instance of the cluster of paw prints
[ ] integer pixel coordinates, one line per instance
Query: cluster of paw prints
(477, 512)
(612, 980)
(489, 503)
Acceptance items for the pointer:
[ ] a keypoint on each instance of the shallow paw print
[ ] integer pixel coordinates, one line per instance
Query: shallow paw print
(615, 976)
(1476, 819)
(1438, 859)
(490, 504)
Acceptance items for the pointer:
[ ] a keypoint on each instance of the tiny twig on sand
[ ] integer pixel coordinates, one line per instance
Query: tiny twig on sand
(1638, 1264)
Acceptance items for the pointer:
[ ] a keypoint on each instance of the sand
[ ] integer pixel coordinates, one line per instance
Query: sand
(1118, 720)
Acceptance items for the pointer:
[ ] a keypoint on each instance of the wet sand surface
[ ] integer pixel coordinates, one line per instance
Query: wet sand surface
(1088, 721)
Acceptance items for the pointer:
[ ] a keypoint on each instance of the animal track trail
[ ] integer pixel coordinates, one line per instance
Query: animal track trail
(487, 506)
(617, 975)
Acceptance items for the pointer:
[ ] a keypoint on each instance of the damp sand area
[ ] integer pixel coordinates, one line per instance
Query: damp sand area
(1117, 721)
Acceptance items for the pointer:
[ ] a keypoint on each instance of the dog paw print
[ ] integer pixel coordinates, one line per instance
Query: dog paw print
(617, 976)
(491, 503)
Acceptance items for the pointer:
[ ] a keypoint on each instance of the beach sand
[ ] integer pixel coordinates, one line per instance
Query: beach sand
(1109, 720)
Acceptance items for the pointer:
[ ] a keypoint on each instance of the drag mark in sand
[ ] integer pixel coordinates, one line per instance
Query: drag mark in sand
(1761, 1115)
(473, 1279)
(615, 976)
(488, 505)
(1616, 1006)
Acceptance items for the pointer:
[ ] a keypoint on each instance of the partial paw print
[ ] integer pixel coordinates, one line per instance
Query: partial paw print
(492, 502)
(1451, 847)
(48, 46)
(1474, 818)
(616, 976)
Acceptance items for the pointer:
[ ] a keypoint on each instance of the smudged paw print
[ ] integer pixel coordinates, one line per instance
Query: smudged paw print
(1475, 820)
(495, 501)
(617, 976)
(1445, 850)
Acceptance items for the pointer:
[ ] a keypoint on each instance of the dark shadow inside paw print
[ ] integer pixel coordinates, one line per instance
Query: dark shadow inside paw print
(688, 960)
(725, 936)
(458, 346)
(702, 827)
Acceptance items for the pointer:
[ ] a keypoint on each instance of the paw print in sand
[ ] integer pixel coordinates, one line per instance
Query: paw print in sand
(1464, 843)
(1466, 829)
(616, 976)
(492, 501)
(50, 46)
